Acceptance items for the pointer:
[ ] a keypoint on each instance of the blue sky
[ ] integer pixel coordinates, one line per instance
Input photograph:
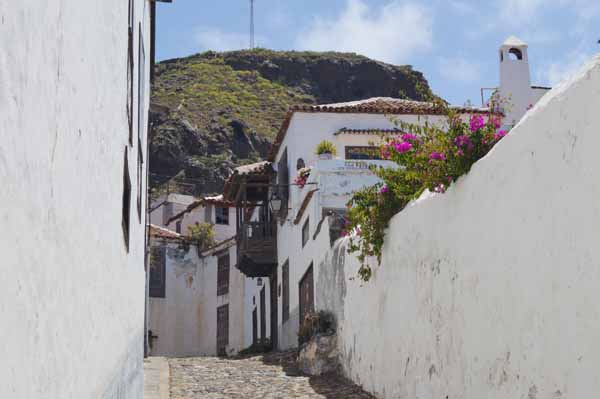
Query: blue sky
(453, 42)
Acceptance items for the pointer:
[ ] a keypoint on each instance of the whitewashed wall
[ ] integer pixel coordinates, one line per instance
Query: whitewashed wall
(185, 320)
(72, 298)
(489, 290)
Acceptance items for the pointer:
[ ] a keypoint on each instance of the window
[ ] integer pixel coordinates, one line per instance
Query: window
(126, 202)
(208, 214)
(141, 82)
(157, 272)
(140, 175)
(283, 179)
(223, 274)
(222, 215)
(305, 232)
(130, 73)
(362, 152)
(178, 226)
(285, 280)
(515, 54)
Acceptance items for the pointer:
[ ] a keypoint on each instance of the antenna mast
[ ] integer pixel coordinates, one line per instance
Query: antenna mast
(251, 24)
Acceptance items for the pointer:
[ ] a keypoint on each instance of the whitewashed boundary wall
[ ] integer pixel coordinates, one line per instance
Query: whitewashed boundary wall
(72, 297)
(492, 289)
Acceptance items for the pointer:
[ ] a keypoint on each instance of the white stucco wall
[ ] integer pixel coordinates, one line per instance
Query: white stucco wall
(185, 320)
(336, 181)
(166, 208)
(491, 289)
(72, 298)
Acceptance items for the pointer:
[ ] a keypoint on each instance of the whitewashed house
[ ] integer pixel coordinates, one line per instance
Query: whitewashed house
(74, 97)
(515, 81)
(313, 217)
(200, 305)
(286, 243)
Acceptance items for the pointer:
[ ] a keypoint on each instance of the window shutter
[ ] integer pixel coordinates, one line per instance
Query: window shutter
(157, 272)
(223, 275)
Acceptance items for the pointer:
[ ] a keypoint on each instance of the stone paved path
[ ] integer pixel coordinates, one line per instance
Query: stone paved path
(156, 378)
(269, 377)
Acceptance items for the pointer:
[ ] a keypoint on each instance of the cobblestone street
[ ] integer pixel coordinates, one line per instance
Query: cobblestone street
(272, 376)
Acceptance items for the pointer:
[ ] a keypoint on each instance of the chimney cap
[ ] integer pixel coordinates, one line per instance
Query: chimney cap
(514, 41)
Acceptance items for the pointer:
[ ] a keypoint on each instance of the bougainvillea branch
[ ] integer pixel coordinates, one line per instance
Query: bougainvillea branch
(430, 157)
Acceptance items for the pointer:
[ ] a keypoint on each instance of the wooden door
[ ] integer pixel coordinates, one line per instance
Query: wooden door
(254, 327)
(222, 329)
(274, 307)
(263, 315)
(307, 294)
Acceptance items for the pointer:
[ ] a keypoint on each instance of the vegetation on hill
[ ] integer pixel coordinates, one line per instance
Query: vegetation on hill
(214, 111)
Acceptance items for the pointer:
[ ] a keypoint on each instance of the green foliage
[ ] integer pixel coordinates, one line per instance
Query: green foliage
(203, 234)
(204, 90)
(326, 147)
(428, 157)
(321, 322)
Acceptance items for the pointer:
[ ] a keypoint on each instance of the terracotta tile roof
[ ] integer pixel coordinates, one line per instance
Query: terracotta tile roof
(218, 247)
(376, 105)
(261, 169)
(366, 131)
(254, 168)
(161, 232)
(385, 105)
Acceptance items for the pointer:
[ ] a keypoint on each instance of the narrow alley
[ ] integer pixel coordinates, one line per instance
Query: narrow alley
(270, 376)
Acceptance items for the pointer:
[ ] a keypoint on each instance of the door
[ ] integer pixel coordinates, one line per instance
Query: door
(306, 290)
(254, 327)
(222, 330)
(274, 307)
(263, 315)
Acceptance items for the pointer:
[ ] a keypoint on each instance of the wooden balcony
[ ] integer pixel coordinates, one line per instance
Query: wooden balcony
(257, 248)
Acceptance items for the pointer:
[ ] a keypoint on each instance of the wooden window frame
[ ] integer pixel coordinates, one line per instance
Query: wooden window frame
(305, 232)
(223, 273)
(224, 218)
(158, 267)
(283, 180)
(140, 177)
(376, 155)
(126, 202)
(285, 283)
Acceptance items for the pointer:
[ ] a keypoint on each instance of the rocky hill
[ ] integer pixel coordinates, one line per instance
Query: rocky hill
(214, 111)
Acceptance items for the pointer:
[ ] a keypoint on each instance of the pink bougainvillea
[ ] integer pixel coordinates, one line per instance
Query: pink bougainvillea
(429, 158)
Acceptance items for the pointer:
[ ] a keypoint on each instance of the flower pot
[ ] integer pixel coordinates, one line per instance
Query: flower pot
(325, 156)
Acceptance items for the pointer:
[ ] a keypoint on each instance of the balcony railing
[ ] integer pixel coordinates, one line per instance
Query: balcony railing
(257, 248)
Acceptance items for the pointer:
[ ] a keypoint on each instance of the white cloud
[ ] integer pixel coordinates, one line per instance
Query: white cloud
(391, 33)
(518, 11)
(218, 40)
(459, 69)
(555, 72)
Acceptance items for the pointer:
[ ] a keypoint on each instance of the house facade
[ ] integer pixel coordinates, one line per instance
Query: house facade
(293, 239)
(314, 215)
(74, 95)
(199, 303)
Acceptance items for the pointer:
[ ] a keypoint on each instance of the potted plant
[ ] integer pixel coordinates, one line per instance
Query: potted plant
(326, 150)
